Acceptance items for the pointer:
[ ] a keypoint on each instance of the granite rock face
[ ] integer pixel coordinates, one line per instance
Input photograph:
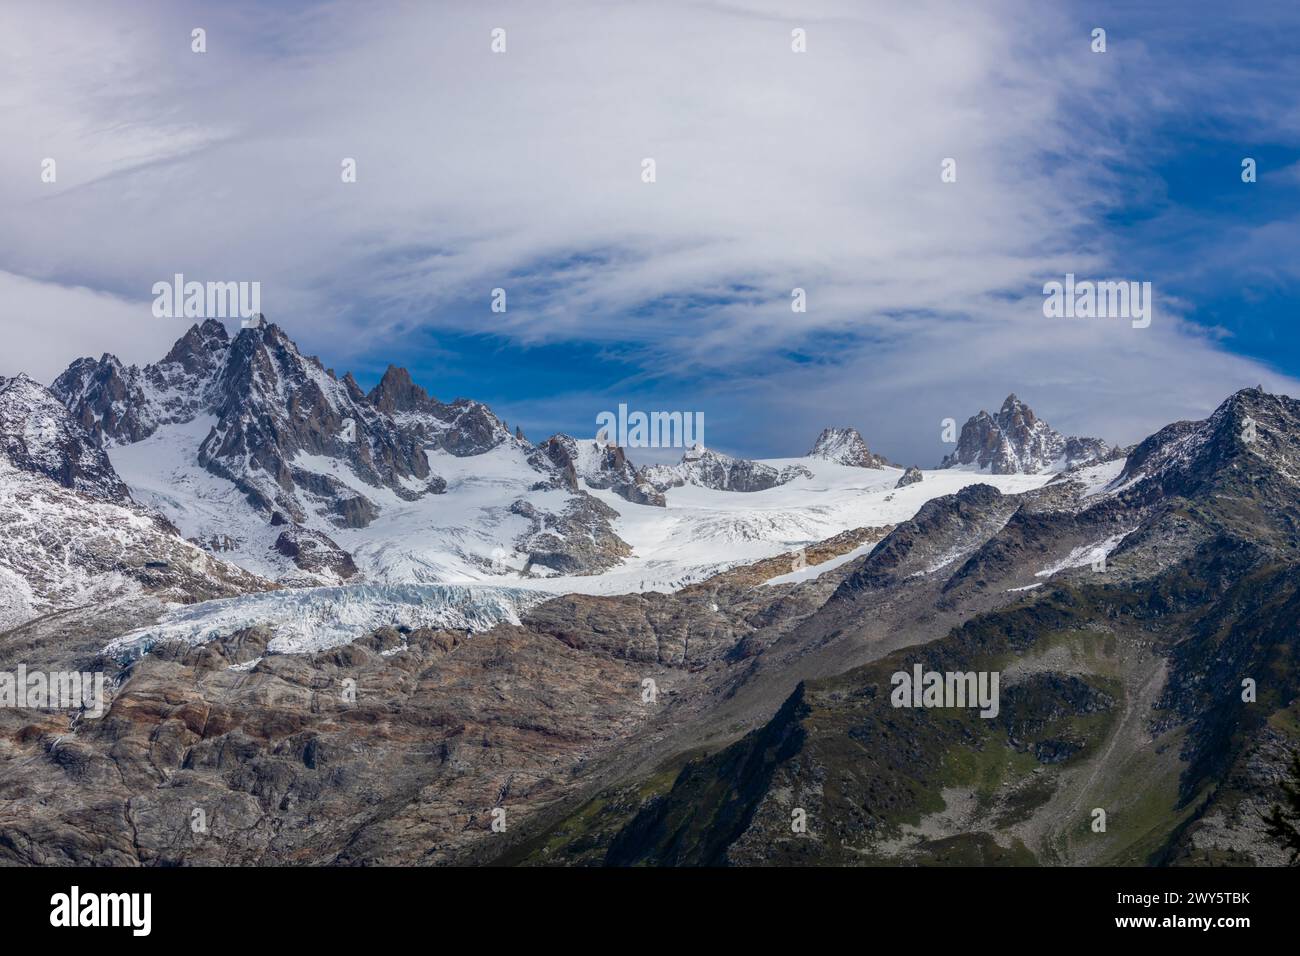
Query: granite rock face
(315, 552)
(601, 466)
(909, 477)
(845, 446)
(463, 428)
(271, 404)
(1016, 441)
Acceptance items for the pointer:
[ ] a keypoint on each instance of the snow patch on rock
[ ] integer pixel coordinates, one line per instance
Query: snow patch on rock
(1085, 554)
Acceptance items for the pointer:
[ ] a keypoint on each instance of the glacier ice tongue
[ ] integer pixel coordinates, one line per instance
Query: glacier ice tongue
(307, 620)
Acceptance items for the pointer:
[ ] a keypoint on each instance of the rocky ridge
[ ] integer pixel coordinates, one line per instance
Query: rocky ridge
(313, 455)
(1015, 441)
(711, 469)
(845, 446)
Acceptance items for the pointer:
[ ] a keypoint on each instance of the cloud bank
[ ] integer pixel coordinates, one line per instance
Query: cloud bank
(522, 170)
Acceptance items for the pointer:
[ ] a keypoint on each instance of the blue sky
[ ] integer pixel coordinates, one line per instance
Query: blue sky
(776, 170)
(1224, 247)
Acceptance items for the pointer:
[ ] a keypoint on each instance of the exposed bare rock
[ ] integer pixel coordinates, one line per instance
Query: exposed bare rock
(275, 404)
(578, 540)
(462, 428)
(1015, 440)
(909, 477)
(393, 749)
(117, 403)
(272, 404)
(845, 446)
(37, 435)
(711, 469)
(316, 553)
(601, 466)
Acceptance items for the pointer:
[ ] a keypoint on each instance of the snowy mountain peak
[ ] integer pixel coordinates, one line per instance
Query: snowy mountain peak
(396, 392)
(119, 404)
(845, 446)
(1016, 441)
(38, 435)
(1013, 407)
(600, 466)
(73, 534)
(200, 347)
(696, 452)
(257, 451)
(710, 469)
(1252, 433)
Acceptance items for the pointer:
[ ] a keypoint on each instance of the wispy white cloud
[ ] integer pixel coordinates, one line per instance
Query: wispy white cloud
(45, 325)
(775, 170)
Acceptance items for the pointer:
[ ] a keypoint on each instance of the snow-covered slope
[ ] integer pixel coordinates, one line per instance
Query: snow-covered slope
(61, 549)
(699, 532)
(702, 530)
(259, 453)
(71, 533)
(472, 532)
(261, 456)
(494, 515)
(38, 436)
(441, 561)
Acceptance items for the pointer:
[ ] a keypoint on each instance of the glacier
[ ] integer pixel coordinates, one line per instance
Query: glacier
(307, 620)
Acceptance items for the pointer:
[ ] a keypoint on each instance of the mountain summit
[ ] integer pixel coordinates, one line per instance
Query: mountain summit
(705, 468)
(257, 451)
(1016, 441)
(845, 446)
(271, 409)
(74, 536)
(37, 435)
